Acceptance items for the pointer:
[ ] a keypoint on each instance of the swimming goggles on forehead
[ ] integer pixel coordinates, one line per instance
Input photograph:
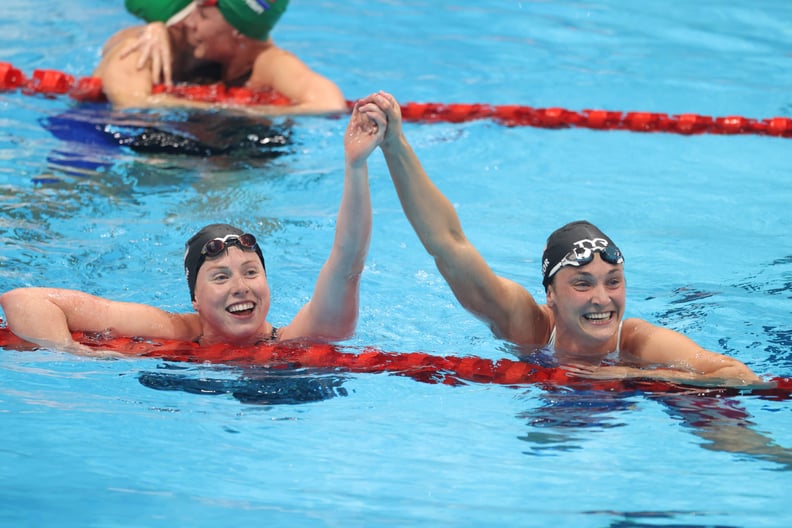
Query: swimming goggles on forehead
(583, 253)
(217, 245)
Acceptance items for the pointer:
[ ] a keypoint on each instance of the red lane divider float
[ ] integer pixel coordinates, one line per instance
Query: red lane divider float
(53, 82)
(426, 368)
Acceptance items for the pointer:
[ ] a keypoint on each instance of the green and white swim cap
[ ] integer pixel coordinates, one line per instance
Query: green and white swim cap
(252, 18)
(168, 11)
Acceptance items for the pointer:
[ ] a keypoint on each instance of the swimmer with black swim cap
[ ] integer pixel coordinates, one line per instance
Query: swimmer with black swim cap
(212, 241)
(228, 285)
(581, 322)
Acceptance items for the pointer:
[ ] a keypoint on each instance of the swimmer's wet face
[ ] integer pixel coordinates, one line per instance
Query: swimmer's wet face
(210, 35)
(584, 279)
(232, 295)
(588, 302)
(210, 242)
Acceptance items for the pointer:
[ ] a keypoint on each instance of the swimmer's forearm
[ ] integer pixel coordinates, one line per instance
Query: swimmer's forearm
(431, 214)
(354, 221)
(725, 377)
(332, 312)
(722, 378)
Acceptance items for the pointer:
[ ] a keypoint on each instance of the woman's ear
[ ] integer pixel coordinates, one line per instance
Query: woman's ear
(240, 40)
(550, 296)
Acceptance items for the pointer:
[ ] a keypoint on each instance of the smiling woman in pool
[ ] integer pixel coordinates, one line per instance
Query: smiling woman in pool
(227, 280)
(582, 324)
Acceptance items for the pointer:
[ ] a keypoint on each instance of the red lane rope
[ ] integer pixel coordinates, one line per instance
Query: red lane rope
(53, 82)
(426, 368)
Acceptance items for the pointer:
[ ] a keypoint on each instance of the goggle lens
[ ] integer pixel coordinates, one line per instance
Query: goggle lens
(582, 255)
(216, 246)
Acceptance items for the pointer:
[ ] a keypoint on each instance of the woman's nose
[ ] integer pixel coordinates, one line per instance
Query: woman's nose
(600, 295)
(239, 284)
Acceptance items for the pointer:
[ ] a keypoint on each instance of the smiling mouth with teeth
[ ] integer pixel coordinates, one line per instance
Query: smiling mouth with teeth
(600, 316)
(241, 307)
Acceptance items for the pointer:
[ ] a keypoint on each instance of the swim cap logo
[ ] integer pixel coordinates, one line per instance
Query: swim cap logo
(258, 6)
(584, 248)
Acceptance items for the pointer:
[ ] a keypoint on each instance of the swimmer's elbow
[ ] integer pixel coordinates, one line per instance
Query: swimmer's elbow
(322, 99)
(13, 298)
(327, 104)
(444, 245)
(337, 337)
(313, 108)
(337, 106)
(344, 326)
(334, 333)
(738, 372)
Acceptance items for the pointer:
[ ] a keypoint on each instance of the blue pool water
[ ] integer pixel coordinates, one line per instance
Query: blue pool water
(703, 221)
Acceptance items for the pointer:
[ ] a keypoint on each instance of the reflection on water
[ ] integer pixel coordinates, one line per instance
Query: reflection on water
(725, 426)
(653, 519)
(95, 137)
(565, 417)
(252, 385)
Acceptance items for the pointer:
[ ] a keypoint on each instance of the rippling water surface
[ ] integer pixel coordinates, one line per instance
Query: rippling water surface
(703, 221)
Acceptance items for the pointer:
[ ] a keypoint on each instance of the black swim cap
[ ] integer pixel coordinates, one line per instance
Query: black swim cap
(194, 258)
(574, 245)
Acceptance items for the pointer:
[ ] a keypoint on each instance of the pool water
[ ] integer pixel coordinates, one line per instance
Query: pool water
(703, 221)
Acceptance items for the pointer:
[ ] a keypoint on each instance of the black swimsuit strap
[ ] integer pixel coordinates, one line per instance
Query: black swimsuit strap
(240, 81)
(273, 336)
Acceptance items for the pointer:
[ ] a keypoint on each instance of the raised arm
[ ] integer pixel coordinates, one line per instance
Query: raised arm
(48, 316)
(332, 312)
(508, 308)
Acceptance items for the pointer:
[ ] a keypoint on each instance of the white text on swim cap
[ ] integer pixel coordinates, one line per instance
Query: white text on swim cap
(255, 6)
